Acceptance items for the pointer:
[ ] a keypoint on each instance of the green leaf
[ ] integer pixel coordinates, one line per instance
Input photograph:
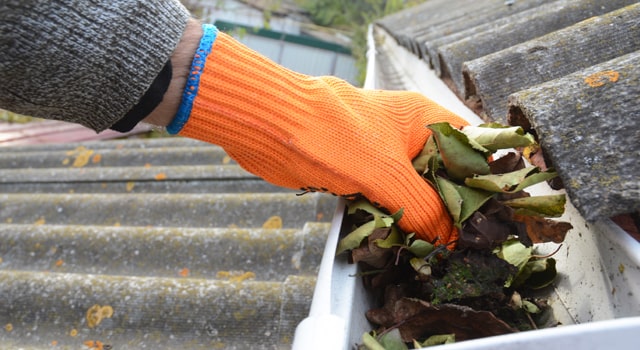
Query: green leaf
(370, 342)
(548, 206)
(458, 156)
(397, 215)
(421, 267)
(394, 239)
(516, 254)
(536, 274)
(535, 178)
(530, 307)
(543, 273)
(363, 205)
(437, 340)
(420, 248)
(353, 239)
(451, 198)
(495, 136)
(392, 340)
(510, 182)
(461, 201)
(421, 162)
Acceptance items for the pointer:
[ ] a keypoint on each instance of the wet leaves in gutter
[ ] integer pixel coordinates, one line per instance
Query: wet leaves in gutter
(485, 283)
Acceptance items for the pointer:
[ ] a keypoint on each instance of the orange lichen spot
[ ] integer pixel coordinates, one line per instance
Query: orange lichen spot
(96, 158)
(40, 221)
(184, 272)
(94, 345)
(147, 165)
(82, 156)
(9, 220)
(97, 313)
(8, 327)
(601, 78)
(226, 160)
(73, 333)
(223, 274)
(161, 176)
(241, 278)
(54, 343)
(59, 262)
(235, 276)
(66, 161)
(274, 222)
(319, 216)
(117, 224)
(130, 185)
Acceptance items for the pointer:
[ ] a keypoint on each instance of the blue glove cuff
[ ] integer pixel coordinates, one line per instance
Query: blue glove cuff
(191, 89)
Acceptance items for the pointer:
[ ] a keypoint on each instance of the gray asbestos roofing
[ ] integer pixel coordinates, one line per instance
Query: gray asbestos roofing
(151, 244)
(567, 69)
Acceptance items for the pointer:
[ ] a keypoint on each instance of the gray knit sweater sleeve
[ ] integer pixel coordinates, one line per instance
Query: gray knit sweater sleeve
(87, 62)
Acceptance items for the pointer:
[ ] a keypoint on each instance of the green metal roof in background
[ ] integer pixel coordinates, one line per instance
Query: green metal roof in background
(304, 40)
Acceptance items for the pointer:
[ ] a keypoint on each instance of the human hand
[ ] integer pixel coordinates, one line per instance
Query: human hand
(318, 133)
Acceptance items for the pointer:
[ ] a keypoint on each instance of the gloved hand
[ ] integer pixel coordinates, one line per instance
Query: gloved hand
(315, 133)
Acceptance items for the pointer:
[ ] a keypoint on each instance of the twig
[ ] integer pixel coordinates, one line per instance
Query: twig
(548, 255)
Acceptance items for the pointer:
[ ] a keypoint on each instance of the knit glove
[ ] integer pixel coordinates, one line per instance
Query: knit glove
(315, 133)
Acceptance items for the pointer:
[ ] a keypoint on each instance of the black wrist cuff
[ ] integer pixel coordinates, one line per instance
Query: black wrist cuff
(149, 101)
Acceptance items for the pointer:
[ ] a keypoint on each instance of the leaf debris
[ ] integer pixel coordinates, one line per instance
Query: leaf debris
(484, 285)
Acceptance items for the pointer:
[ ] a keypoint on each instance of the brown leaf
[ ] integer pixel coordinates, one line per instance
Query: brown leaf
(505, 196)
(537, 157)
(507, 163)
(370, 253)
(386, 316)
(487, 227)
(417, 319)
(542, 230)
(491, 225)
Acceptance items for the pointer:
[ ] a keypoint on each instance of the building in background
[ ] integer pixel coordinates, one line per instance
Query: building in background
(283, 33)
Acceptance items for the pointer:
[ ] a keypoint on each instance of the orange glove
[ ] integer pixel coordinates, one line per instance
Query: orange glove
(315, 133)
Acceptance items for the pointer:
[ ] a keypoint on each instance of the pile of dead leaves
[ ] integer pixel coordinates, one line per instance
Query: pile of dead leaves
(487, 284)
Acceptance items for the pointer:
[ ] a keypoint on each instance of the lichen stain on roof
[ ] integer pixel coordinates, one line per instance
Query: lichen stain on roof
(566, 68)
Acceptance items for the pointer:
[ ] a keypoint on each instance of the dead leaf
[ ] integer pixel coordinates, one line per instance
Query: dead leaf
(489, 227)
(417, 319)
(546, 206)
(542, 230)
(369, 251)
(509, 162)
(496, 136)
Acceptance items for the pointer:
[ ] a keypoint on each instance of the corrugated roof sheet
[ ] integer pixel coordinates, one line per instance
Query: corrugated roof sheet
(151, 244)
(567, 69)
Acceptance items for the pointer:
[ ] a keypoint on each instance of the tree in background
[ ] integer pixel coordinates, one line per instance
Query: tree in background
(353, 16)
